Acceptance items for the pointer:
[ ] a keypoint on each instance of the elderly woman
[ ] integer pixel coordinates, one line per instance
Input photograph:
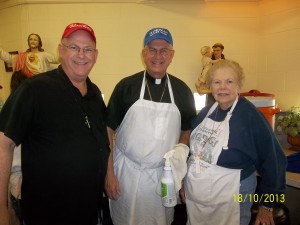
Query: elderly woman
(230, 141)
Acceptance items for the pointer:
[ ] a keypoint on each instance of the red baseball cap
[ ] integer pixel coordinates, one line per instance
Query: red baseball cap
(71, 28)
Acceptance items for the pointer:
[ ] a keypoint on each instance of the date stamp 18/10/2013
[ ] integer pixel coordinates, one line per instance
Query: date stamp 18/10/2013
(241, 198)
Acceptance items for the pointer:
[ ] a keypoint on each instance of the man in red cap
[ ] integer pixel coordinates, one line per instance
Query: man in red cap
(58, 118)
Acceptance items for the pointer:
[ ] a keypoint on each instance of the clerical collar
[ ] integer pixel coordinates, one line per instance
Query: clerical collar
(154, 80)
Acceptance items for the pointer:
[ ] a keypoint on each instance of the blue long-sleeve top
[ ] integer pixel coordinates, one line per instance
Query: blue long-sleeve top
(252, 146)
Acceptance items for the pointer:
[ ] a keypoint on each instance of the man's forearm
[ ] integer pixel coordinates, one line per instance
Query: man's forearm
(6, 156)
(185, 137)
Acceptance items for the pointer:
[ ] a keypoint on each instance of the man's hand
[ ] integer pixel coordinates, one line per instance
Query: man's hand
(4, 215)
(112, 187)
(264, 217)
(182, 195)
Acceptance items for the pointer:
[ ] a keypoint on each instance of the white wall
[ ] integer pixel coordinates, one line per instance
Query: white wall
(279, 51)
(262, 36)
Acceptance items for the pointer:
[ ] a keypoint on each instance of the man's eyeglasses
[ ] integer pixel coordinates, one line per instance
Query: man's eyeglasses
(162, 52)
(76, 49)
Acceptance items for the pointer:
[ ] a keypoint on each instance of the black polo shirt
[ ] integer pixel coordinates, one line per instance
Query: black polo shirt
(127, 92)
(63, 160)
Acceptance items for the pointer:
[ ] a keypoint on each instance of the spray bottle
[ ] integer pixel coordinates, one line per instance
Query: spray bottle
(168, 194)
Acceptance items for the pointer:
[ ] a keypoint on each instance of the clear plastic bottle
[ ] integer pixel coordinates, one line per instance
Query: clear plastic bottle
(168, 194)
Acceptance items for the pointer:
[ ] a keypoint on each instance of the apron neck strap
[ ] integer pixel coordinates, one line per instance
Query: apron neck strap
(234, 104)
(214, 106)
(143, 86)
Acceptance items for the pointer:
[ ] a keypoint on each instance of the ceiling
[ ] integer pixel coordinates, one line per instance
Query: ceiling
(11, 3)
(137, 1)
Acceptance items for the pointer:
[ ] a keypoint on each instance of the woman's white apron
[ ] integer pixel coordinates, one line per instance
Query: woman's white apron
(209, 188)
(148, 130)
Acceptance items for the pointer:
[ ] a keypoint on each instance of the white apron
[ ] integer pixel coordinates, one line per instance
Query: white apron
(148, 130)
(210, 188)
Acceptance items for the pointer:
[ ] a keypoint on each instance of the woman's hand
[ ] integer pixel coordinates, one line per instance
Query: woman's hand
(264, 217)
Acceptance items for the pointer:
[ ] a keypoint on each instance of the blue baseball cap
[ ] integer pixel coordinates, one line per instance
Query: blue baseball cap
(158, 33)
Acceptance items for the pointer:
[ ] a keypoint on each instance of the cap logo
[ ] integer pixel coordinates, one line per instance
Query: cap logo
(158, 30)
(71, 28)
(80, 25)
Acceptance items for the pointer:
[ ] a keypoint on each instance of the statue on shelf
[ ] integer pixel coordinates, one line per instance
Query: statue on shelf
(207, 62)
(32, 62)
